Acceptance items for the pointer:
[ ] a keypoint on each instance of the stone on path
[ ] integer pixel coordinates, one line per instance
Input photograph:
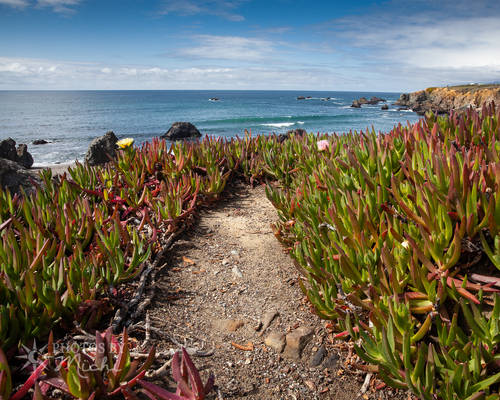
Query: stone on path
(318, 357)
(267, 319)
(230, 325)
(296, 341)
(275, 341)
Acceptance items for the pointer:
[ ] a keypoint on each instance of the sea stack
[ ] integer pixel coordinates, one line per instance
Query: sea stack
(182, 130)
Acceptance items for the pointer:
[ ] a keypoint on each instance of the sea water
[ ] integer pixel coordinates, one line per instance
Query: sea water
(69, 120)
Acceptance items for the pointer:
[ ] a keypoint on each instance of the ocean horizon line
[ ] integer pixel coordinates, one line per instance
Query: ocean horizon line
(201, 90)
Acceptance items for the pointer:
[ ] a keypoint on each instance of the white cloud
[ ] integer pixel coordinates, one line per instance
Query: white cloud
(48, 74)
(221, 8)
(450, 42)
(60, 6)
(229, 48)
(15, 3)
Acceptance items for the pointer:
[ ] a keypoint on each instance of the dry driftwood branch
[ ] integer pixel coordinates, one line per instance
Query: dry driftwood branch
(152, 269)
(366, 383)
(160, 371)
(122, 312)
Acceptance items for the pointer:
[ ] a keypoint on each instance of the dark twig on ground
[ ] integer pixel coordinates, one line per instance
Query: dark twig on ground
(151, 272)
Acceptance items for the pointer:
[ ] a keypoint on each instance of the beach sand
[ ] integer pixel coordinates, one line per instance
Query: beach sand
(57, 169)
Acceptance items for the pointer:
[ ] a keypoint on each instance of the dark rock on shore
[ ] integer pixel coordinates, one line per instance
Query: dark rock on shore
(182, 130)
(39, 142)
(356, 104)
(23, 157)
(18, 155)
(384, 107)
(292, 132)
(14, 177)
(301, 98)
(297, 132)
(8, 149)
(102, 149)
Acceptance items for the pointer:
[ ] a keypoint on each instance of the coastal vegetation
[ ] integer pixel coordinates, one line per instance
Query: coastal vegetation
(396, 237)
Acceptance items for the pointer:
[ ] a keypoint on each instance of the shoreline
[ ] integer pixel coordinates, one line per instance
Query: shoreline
(57, 169)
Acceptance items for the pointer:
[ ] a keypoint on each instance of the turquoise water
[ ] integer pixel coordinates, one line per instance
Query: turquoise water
(71, 119)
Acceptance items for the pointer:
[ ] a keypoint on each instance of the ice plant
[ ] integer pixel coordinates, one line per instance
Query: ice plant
(124, 143)
(189, 383)
(322, 145)
(398, 238)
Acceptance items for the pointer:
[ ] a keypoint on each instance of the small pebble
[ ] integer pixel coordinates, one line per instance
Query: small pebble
(237, 272)
(331, 362)
(225, 262)
(235, 253)
(318, 357)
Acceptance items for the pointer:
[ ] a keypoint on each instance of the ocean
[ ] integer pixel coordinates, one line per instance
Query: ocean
(69, 120)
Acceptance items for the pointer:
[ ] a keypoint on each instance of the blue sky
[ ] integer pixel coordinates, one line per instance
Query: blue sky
(244, 44)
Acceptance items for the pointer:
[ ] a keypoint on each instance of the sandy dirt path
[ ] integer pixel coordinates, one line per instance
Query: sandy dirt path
(223, 279)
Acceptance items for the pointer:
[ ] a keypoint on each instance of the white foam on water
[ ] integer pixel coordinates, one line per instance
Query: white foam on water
(280, 124)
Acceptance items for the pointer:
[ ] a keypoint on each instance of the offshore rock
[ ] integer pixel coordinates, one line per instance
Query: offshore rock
(102, 149)
(182, 130)
(363, 100)
(376, 100)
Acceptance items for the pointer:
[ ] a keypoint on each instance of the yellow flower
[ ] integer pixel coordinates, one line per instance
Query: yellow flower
(124, 143)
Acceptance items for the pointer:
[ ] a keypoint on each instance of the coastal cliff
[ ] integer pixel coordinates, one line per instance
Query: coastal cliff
(441, 100)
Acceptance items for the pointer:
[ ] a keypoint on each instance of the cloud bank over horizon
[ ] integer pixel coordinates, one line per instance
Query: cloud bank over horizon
(219, 44)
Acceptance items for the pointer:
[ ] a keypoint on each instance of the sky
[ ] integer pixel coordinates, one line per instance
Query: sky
(389, 46)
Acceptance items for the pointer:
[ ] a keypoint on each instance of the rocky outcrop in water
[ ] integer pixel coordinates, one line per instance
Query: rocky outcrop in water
(182, 130)
(443, 100)
(102, 149)
(374, 100)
